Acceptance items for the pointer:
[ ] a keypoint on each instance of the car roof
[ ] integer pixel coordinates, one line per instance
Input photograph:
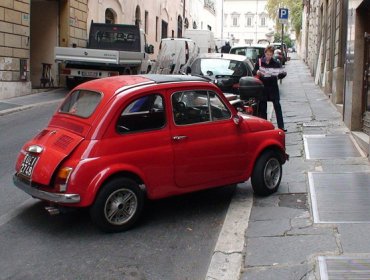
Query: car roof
(122, 82)
(228, 56)
(250, 46)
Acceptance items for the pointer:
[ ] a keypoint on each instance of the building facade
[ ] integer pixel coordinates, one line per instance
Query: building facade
(29, 31)
(336, 46)
(247, 22)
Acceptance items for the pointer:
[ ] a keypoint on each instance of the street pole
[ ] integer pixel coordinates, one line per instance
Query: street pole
(222, 21)
(282, 36)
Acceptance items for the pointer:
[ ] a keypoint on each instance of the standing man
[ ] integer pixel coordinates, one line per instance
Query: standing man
(271, 88)
(226, 48)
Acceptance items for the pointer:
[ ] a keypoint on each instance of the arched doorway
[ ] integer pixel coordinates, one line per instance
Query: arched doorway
(179, 27)
(137, 16)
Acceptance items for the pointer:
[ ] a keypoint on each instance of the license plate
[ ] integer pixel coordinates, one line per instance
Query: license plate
(89, 74)
(28, 164)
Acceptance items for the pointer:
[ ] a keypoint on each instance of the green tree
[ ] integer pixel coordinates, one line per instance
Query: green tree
(295, 13)
(287, 40)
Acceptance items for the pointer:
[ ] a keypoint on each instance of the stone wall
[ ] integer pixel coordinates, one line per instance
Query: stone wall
(14, 40)
(78, 22)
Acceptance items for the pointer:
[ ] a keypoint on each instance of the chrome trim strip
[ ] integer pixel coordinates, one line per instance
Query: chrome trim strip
(43, 195)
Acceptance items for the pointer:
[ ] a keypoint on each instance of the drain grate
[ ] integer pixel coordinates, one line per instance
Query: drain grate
(340, 197)
(314, 124)
(344, 268)
(330, 146)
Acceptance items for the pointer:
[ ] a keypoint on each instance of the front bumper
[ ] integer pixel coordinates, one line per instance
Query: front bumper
(67, 198)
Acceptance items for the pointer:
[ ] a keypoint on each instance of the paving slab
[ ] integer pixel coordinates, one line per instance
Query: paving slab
(287, 250)
(293, 272)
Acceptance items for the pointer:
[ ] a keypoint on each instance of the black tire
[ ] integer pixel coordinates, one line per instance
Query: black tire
(125, 200)
(267, 173)
(70, 83)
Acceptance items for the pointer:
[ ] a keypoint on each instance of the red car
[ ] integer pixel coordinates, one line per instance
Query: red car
(115, 142)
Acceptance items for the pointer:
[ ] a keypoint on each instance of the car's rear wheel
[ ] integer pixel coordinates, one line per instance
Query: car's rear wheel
(267, 174)
(118, 205)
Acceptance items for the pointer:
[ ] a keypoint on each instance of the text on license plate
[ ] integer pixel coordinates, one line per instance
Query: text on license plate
(28, 164)
(89, 74)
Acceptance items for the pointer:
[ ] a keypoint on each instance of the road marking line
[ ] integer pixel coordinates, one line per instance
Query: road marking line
(227, 257)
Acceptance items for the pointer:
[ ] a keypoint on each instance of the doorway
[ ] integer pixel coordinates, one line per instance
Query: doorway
(44, 37)
(366, 85)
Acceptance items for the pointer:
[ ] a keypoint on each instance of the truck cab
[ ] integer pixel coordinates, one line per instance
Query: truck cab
(112, 49)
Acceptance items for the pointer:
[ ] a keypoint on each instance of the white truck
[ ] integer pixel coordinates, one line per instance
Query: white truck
(113, 49)
(203, 38)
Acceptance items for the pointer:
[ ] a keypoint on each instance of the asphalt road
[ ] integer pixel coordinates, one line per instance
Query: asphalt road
(175, 238)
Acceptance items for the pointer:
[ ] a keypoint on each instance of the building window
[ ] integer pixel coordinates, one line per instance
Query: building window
(156, 28)
(263, 21)
(249, 19)
(179, 27)
(137, 16)
(235, 19)
(164, 29)
(109, 16)
(225, 20)
(146, 22)
(195, 25)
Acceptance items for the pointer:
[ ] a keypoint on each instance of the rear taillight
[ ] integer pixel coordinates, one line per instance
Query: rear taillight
(66, 71)
(61, 179)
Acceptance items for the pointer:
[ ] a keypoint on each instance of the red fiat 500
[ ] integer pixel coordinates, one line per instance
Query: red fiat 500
(116, 141)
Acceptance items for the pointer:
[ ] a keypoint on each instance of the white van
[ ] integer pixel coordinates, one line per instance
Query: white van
(203, 38)
(174, 56)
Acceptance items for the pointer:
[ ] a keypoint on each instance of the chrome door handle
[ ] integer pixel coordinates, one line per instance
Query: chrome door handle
(179, 137)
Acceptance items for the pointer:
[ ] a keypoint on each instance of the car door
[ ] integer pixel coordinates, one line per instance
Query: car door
(205, 139)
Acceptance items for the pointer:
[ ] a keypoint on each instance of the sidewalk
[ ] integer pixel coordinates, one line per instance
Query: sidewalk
(15, 104)
(317, 226)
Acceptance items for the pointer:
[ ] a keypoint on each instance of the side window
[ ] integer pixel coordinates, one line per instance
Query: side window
(190, 107)
(219, 111)
(144, 113)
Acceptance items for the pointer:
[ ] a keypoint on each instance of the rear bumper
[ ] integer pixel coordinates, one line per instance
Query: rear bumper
(66, 198)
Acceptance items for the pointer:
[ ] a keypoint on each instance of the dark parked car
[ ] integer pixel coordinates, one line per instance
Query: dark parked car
(253, 52)
(225, 70)
(115, 142)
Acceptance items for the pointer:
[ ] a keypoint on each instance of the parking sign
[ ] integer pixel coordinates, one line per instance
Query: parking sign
(283, 15)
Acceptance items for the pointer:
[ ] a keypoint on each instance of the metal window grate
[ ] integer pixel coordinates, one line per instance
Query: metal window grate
(344, 268)
(330, 146)
(340, 197)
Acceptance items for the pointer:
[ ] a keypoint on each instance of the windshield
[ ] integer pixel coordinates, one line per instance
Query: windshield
(218, 66)
(250, 52)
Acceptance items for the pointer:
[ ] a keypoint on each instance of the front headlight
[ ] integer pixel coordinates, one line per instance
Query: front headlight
(61, 179)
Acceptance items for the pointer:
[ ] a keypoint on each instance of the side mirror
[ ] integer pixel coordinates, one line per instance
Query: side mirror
(149, 49)
(188, 70)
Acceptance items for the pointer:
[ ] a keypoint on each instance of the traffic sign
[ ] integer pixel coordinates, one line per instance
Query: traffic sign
(283, 15)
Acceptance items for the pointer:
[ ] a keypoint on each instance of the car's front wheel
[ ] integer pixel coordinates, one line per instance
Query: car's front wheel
(118, 205)
(267, 174)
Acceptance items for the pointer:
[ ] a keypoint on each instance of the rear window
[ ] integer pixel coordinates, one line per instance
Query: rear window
(81, 103)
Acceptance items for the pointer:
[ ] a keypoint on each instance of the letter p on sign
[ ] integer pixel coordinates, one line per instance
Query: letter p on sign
(283, 15)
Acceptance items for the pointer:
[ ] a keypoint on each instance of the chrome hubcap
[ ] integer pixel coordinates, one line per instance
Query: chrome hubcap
(120, 206)
(272, 173)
